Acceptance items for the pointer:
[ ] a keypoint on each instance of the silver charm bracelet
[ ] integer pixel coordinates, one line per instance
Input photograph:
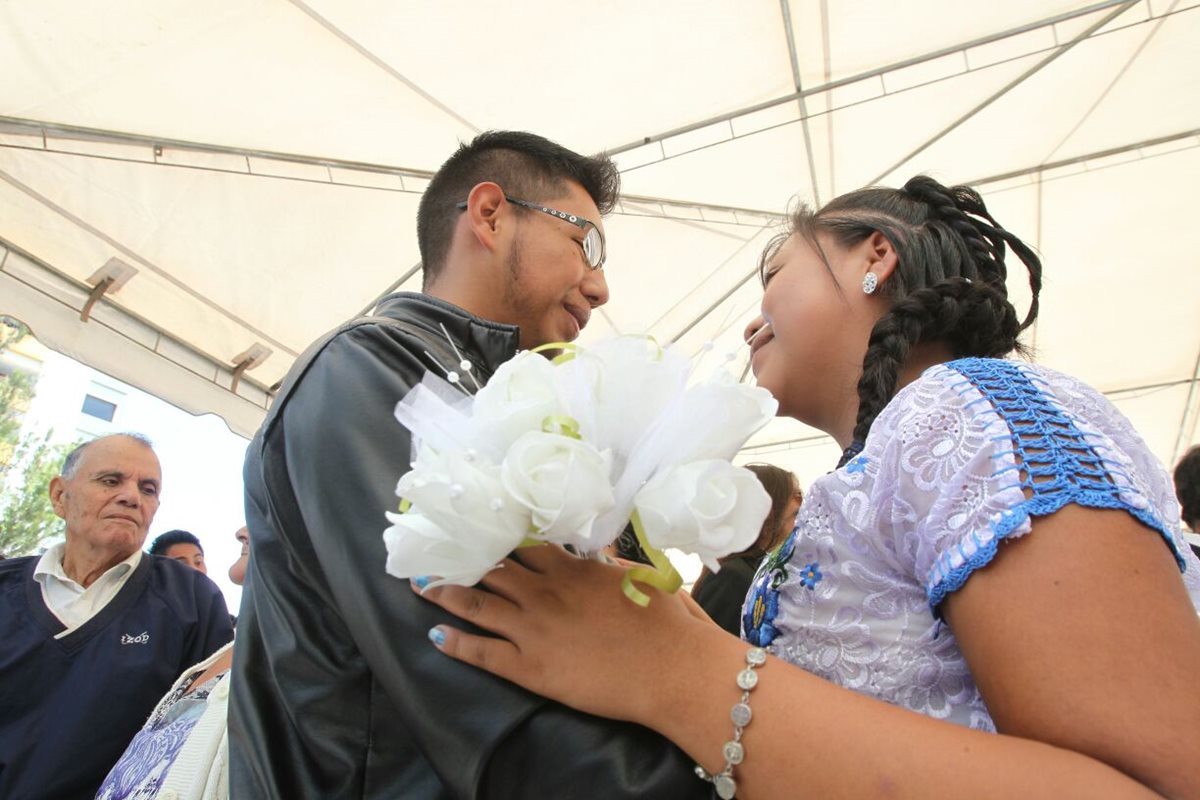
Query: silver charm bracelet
(733, 751)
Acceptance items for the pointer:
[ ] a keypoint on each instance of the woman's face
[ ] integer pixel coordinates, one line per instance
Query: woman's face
(810, 357)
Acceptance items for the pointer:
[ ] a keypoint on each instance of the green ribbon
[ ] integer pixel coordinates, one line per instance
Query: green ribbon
(657, 347)
(662, 575)
(568, 351)
(562, 425)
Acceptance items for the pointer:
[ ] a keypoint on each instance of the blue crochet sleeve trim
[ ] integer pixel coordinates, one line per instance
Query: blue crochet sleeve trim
(1061, 467)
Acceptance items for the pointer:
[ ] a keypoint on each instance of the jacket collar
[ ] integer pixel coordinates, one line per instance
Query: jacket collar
(495, 342)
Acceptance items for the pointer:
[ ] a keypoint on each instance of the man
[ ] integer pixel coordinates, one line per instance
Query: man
(180, 546)
(92, 632)
(337, 691)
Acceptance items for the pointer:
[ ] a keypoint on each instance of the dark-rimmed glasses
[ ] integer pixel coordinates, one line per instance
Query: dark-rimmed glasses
(594, 248)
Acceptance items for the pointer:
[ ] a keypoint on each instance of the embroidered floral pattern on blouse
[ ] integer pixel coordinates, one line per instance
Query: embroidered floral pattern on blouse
(762, 601)
(810, 575)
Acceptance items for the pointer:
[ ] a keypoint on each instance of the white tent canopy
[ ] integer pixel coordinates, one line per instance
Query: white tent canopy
(247, 173)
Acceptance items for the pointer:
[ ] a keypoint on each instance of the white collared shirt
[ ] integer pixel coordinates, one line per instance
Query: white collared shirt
(69, 601)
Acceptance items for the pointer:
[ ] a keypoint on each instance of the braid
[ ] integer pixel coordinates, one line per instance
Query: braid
(973, 318)
(949, 283)
(948, 205)
(964, 211)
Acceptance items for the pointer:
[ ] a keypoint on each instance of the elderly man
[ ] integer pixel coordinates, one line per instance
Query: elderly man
(337, 692)
(93, 632)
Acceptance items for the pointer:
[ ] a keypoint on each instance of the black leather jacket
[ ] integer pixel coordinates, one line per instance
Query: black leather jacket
(337, 692)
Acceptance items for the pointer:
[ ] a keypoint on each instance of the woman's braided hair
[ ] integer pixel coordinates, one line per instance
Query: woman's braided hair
(949, 281)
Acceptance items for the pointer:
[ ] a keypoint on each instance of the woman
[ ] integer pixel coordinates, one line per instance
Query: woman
(983, 600)
(721, 594)
(182, 750)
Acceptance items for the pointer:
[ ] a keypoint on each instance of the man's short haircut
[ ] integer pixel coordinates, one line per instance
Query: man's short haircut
(72, 460)
(167, 540)
(1187, 487)
(527, 166)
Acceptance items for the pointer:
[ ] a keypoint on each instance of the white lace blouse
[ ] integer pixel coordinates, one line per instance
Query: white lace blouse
(852, 595)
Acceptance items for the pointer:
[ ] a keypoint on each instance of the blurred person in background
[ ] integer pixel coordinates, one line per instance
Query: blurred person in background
(180, 546)
(1187, 489)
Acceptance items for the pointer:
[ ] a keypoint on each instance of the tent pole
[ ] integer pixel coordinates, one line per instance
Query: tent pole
(1066, 162)
(1191, 408)
(874, 73)
(1008, 87)
(786, 9)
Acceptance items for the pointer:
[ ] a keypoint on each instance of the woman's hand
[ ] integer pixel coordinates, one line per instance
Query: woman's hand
(567, 631)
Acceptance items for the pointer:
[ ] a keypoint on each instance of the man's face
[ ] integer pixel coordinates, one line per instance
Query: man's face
(187, 554)
(551, 290)
(110, 501)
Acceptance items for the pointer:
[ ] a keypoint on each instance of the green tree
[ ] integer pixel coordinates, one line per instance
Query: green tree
(27, 462)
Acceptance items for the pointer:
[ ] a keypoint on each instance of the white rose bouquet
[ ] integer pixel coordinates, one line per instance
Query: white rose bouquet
(567, 451)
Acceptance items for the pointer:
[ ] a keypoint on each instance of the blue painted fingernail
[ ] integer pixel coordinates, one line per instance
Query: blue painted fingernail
(437, 636)
(421, 581)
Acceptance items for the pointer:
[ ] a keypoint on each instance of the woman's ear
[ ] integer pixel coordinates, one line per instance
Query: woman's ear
(881, 257)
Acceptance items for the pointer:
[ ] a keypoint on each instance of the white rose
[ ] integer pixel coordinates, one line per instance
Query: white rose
(710, 508)
(417, 546)
(632, 381)
(563, 482)
(732, 413)
(518, 399)
(460, 515)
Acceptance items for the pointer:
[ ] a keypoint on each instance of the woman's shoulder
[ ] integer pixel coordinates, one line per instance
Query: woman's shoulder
(983, 421)
(944, 403)
(986, 388)
(977, 416)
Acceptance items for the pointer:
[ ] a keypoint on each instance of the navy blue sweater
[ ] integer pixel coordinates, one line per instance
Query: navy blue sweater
(70, 706)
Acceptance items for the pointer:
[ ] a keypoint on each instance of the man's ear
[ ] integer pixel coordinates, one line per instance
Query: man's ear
(881, 256)
(485, 211)
(57, 487)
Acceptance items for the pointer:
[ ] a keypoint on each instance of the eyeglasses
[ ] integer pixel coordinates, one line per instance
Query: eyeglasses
(594, 249)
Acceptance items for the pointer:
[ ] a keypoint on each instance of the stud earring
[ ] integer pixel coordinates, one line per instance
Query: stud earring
(870, 283)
